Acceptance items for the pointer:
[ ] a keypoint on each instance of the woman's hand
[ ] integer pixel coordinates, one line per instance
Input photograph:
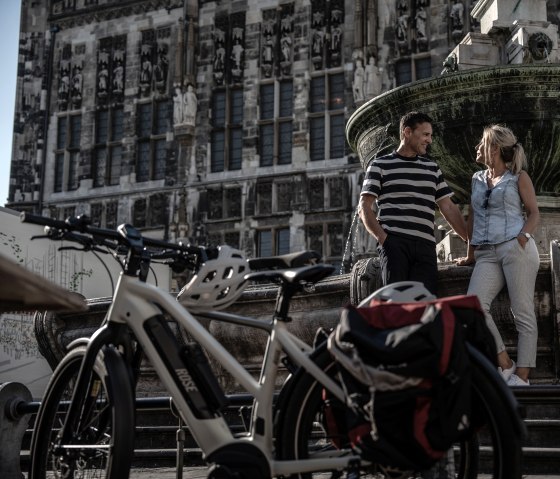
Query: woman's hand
(465, 261)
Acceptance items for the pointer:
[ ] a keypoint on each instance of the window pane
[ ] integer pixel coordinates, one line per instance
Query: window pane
(95, 214)
(232, 239)
(143, 165)
(61, 133)
(336, 91)
(215, 200)
(235, 149)
(286, 98)
(264, 198)
(111, 215)
(73, 170)
(267, 145)
(403, 72)
(218, 145)
(285, 143)
(58, 172)
(316, 194)
(160, 159)
(337, 192)
(283, 197)
(317, 138)
(267, 101)
(334, 235)
(100, 168)
(163, 118)
(423, 68)
(236, 116)
(315, 238)
(144, 119)
(219, 109)
(118, 124)
(101, 126)
(283, 241)
(317, 98)
(158, 211)
(265, 243)
(76, 131)
(337, 136)
(233, 203)
(116, 157)
(139, 213)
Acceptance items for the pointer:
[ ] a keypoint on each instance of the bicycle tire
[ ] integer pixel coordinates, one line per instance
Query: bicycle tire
(110, 424)
(300, 432)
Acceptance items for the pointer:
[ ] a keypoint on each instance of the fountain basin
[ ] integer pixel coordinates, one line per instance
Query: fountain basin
(524, 97)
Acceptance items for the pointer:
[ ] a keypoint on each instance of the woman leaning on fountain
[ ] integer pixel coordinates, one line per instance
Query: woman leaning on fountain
(502, 244)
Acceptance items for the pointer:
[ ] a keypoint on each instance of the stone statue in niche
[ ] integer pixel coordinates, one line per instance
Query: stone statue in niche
(402, 28)
(317, 48)
(64, 84)
(237, 51)
(268, 49)
(358, 82)
(118, 72)
(76, 89)
(219, 56)
(146, 67)
(161, 68)
(103, 74)
(373, 79)
(420, 20)
(185, 106)
(190, 106)
(456, 15)
(178, 106)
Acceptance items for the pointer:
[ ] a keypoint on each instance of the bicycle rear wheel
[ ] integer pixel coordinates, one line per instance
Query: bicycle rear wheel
(104, 446)
(302, 431)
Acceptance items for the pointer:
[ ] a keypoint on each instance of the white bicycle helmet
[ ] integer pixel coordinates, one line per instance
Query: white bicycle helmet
(218, 282)
(400, 292)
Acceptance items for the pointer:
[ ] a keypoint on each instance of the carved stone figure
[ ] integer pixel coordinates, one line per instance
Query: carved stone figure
(373, 79)
(76, 91)
(358, 82)
(190, 105)
(420, 19)
(456, 15)
(178, 106)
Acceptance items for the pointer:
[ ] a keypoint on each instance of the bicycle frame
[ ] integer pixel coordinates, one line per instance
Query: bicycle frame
(135, 304)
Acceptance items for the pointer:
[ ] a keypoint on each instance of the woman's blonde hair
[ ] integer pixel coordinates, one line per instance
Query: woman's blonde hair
(511, 150)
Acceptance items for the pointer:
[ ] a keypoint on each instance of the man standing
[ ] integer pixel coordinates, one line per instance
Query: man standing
(406, 187)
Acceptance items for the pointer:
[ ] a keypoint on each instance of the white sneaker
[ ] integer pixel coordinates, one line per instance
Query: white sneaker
(515, 380)
(506, 373)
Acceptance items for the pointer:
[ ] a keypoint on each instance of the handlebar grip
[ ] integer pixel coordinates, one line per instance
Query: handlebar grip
(42, 220)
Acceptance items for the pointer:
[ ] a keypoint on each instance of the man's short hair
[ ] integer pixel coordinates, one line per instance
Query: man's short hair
(412, 119)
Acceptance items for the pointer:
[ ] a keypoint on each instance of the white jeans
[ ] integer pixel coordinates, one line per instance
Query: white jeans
(510, 264)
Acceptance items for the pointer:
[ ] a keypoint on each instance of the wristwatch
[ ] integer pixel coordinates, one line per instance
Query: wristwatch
(527, 235)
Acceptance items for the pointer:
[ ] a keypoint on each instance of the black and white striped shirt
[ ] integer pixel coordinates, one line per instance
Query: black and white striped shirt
(407, 190)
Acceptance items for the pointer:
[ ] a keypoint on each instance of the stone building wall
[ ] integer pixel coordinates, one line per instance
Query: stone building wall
(257, 157)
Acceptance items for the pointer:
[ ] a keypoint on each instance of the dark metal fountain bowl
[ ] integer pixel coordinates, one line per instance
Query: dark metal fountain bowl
(525, 97)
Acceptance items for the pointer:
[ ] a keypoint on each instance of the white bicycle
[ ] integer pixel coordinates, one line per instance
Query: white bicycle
(85, 425)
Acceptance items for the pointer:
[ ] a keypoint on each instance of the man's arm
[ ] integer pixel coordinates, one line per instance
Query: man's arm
(453, 216)
(367, 215)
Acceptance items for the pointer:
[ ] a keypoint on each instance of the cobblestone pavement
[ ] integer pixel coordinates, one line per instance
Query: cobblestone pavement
(200, 473)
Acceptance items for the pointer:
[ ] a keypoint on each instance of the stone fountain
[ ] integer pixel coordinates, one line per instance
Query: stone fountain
(509, 73)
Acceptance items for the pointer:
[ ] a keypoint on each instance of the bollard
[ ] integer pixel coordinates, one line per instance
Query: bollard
(12, 428)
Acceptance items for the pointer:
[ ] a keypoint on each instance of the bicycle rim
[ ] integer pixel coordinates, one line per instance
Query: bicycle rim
(494, 452)
(103, 447)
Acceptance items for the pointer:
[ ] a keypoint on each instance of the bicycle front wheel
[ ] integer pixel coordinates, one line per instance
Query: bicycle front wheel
(104, 445)
(493, 452)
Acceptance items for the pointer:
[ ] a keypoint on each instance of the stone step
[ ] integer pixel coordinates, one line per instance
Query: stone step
(156, 431)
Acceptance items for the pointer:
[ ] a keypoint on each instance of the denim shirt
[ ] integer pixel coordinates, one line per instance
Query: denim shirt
(503, 218)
